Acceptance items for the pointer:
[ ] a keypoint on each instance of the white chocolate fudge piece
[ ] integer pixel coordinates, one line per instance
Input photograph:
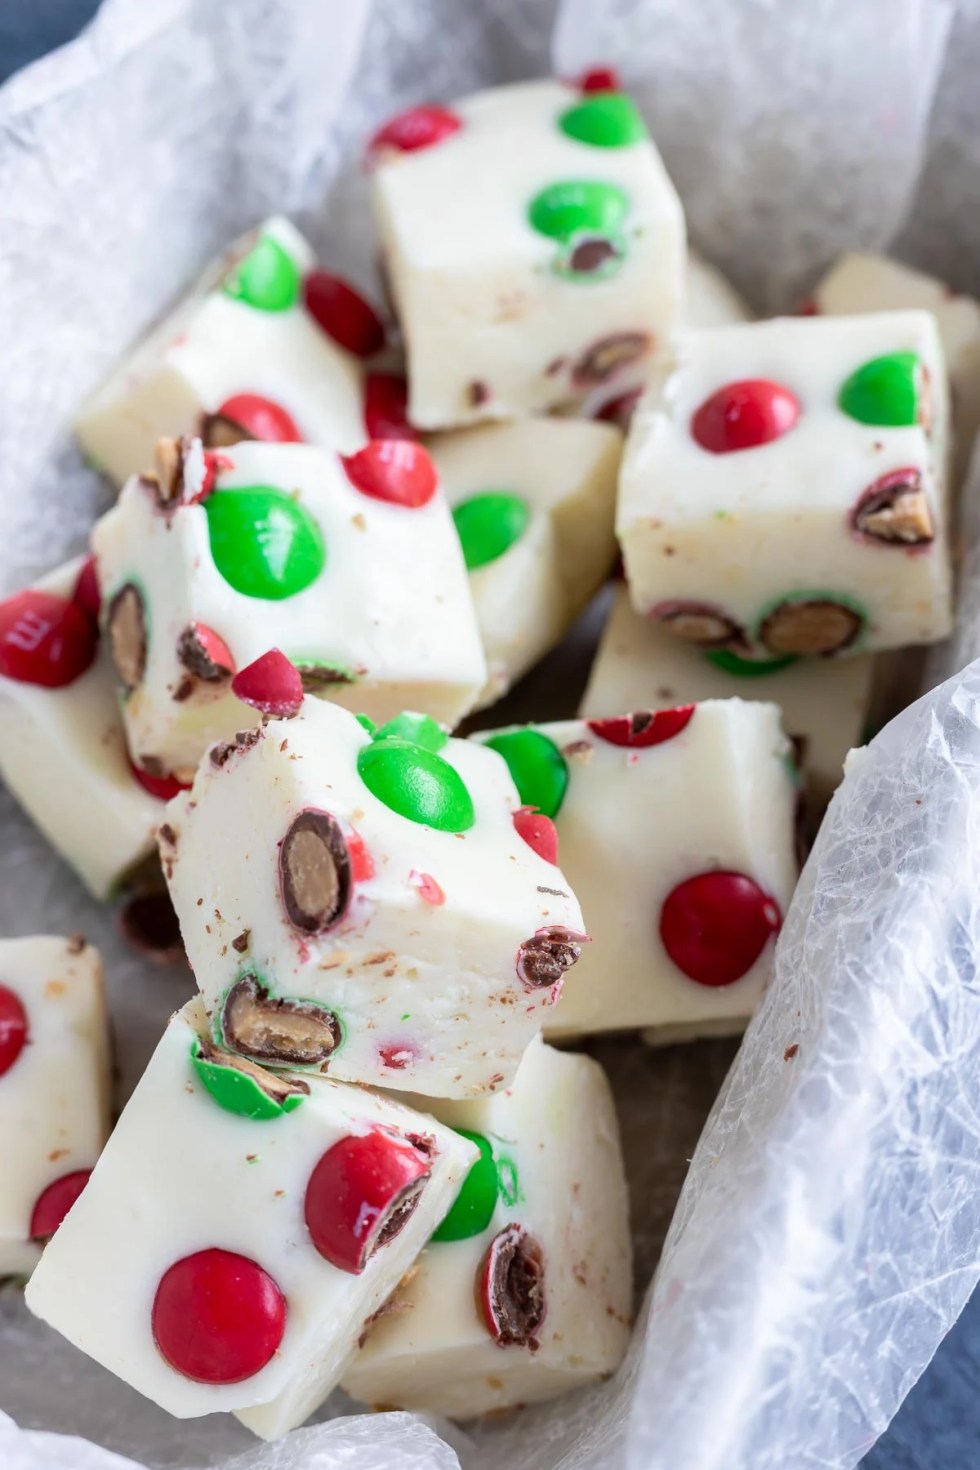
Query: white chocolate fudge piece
(351, 566)
(860, 283)
(368, 903)
(62, 747)
(711, 300)
(824, 702)
(558, 281)
(783, 486)
(240, 1229)
(534, 504)
(54, 1087)
(244, 355)
(524, 1291)
(676, 832)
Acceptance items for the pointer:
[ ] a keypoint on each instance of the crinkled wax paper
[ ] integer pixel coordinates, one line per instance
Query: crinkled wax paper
(826, 1235)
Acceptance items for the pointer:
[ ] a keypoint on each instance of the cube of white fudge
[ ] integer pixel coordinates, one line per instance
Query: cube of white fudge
(563, 275)
(243, 356)
(824, 702)
(54, 1087)
(368, 903)
(677, 833)
(240, 1229)
(62, 745)
(534, 505)
(711, 300)
(524, 1291)
(784, 487)
(860, 283)
(351, 566)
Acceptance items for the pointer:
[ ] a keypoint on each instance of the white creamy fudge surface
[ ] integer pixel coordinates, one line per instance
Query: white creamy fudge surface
(551, 1166)
(862, 282)
(373, 593)
(711, 300)
(431, 953)
(136, 1277)
(500, 318)
(534, 504)
(54, 1086)
(63, 756)
(824, 702)
(831, 535)
(676, 832)
(214, 346)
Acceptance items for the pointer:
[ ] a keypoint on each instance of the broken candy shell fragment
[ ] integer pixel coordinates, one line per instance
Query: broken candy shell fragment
(386, 407)
(538, 831)
(510, 1294)
(812, 623)
(249, 416)
(604, 119)
(264, 542)
(13, 1028)
(418, 127)
(342, 312)
(86, 593)
(395, 470)
(416, 729)
(361, 1194)
(163, 786)
(126, 622)
(619, 410)
(241, 1086)
(417, 784)
(218, 1317)
(280, 1030)
(45, 640)
(715, 926)
(894, 511)
(271, 684)
(314, 872)
(429, 890)
(643, 728)
(205, 654)
(537, 767)
(543, 959)
(473, 1208)
(489, 524)
(745, 415)
(884, 391)
(267, 278)
(699, 622)
(54, 1203)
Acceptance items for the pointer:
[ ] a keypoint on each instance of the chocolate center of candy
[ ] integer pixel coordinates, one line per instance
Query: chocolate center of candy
(278, 1030)
(811, 624)
(315, 872)
(543, 959)
(698, 622)
(604, 359)
(127, 635)
(241, 1086)
(510, 1288)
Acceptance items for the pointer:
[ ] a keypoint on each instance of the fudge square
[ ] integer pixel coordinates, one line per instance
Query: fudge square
(677, 833)
(372, 903)
(824, 702)
(54, 1087)
(783, 487)
(534, 504)
(524, 1291)
(62, 745)
(263, 347)
(240, 1229)
(351, 566)
(563, 276)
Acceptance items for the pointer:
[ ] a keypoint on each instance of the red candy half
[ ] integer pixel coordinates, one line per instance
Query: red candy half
(394, 470)
(744, 415)
(13, 1028)
(644, 728)
(261, 418)
(218, 1317)
(599, 79)
(271, 684)
(419, 127)
(360, 1195)
(45, 640)
(343, 314)
(538, 831)
(716, 925)
(386, 407)
(164, 788)
(54, 1203)
(86, 592)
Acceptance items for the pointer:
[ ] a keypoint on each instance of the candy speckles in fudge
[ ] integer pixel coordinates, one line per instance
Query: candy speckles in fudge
(350, 565)
(783, 489)
(370, 900)
(563, 279)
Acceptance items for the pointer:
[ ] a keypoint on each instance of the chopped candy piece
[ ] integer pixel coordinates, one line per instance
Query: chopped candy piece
(271, 684)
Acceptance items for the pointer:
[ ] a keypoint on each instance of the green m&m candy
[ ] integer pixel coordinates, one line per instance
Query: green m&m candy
(604, 120)
(578, 207)
(268, 277)
(477, 1199)
(489, 524)
(416, 783)
(748, 668)
(416, 729)
(884, 391)
(537, 768)
(264, 543)
(239, 1086)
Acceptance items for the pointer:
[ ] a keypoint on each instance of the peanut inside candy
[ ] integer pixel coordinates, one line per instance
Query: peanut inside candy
(127, 635)
(315, 872)
(274, 1029)
(700, 623)
(810, 626)
(895, 511)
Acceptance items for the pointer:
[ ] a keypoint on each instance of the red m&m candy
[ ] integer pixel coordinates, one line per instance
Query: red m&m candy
(360, 1194)
(13, 1028)
(386, 407)
(218, 1317)
(419, 127)
(45, 640)
(538, 831)
(394, 470)
(343, 314)
(271, 684)
(599, 79)
(715, 926)
(260, 418)
(644, 728)
(163, 786)
(54, 1203)
(744, 415)
(86, 592)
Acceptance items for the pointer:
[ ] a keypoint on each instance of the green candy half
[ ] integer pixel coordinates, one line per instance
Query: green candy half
(234, 1088)
(748, 668)
(416, 783)
(883, 391)
(477, 1199)
(537, 767)
(578, 207)
(489, 524)
(268, 278)
(264, 543)
(417, 729)
(604, 120)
